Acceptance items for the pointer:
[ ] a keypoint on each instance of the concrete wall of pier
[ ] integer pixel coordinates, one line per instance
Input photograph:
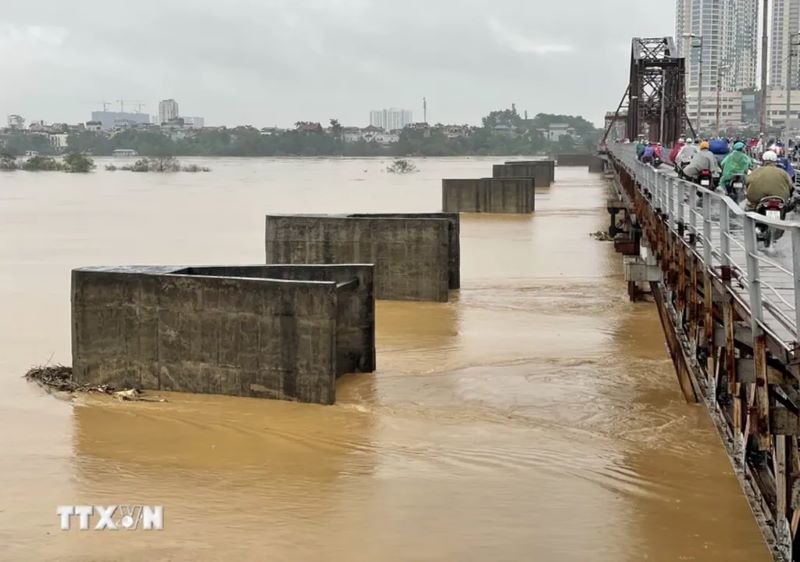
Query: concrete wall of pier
(262, 331)
(542, 171)
(488, 195)
(416, 256)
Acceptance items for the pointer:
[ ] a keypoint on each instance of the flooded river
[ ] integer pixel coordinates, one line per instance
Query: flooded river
(534, 417)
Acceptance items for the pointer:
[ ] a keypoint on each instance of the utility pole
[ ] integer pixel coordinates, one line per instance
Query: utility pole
(719, 87)
(699, 46)
(723, 66)
(663, 107)
(700, 88)
(790, 45)
(424, 110)
(764, 50)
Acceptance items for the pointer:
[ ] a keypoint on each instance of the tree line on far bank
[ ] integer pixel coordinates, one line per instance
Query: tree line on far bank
(503, 132)
(73, 163)
(78, 163)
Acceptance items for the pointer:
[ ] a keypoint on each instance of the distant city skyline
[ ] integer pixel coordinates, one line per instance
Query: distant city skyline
(273, 63)
(167, 111)
(390, 119)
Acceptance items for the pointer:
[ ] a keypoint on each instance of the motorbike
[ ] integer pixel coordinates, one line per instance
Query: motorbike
(771, 207)
(705, 179)
(736, 188)
(656, 162)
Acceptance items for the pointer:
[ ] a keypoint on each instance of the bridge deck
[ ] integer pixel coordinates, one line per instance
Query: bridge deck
(769, 273)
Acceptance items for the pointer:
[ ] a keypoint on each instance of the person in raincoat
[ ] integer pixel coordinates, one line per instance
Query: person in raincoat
(673, 155)
(703, 160)
(737, 163)
(639, 148)
(767, 181)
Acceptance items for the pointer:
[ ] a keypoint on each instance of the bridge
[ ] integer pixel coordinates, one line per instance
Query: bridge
(730, 308)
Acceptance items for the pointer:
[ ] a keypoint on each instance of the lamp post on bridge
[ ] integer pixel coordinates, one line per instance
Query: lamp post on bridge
(698, 45)
(722, 67)
(791, 53)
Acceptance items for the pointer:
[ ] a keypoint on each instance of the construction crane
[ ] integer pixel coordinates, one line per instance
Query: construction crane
(105, 104)
(123, 102)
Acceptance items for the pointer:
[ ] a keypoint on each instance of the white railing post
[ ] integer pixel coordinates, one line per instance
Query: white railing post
(707, 229)
(692, 209)
(681, 197)
(657, 181)
(724, 233)
(670, 201)
(753, 280)
(796, 279)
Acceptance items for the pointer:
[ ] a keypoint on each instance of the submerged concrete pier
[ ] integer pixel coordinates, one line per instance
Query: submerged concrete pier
(542, 171)
(279, 331)
(488, 195)
(416, 256)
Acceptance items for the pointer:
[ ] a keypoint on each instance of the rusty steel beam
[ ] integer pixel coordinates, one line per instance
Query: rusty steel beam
(656, 92)
(749, 382)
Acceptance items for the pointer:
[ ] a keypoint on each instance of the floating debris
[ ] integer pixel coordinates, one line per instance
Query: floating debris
(58, 378)
(401, 167)
(601, 236)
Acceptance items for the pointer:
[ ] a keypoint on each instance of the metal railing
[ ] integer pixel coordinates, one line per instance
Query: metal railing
(727, 235)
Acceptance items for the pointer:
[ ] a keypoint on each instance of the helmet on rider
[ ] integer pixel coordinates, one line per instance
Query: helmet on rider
(769, 156)
(704, 145)
(689, 141)
(738, 146)
(682, 140)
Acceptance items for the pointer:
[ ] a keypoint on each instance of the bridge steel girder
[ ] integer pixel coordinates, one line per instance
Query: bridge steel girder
(656, 89)
(748, 379)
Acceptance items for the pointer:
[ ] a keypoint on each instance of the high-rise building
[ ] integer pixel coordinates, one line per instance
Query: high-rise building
(16, 122)
(167, 110)
(194, 122)
(118, 119)
(784, 27)
(390, 119)
(729, 32)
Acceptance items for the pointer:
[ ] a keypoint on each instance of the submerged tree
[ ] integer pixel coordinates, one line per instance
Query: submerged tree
(42, 164)
(8, 163)
(401, 167)
(78, 163)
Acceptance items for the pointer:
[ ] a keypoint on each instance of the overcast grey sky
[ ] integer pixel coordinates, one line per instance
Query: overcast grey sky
(273, 62)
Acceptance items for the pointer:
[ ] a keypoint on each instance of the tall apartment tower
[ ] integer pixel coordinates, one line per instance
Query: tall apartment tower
(167, 110)
(390, 119)
(729, 29)
(785, 25)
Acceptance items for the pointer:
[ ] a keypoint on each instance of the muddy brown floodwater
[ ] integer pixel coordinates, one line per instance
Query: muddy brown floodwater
(534, 417)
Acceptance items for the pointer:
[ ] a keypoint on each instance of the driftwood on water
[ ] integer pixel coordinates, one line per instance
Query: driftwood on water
(58, 378)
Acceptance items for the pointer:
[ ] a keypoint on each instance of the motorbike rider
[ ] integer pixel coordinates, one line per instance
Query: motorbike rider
(737, 163)
(648, 154)
(658, 151)
(673, 154)
(720, 147)
(687, 153)
(639, 148)
(783, 161)
(767, 181)
(703, 160)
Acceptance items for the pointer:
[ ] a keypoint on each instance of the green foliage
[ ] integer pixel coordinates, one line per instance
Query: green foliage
(504, 132)
(401, 166)
(18, 143)
(78, 163)
(42, 164)
(154, 164)
(8, 162)
(194, 168)
(503, 118)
